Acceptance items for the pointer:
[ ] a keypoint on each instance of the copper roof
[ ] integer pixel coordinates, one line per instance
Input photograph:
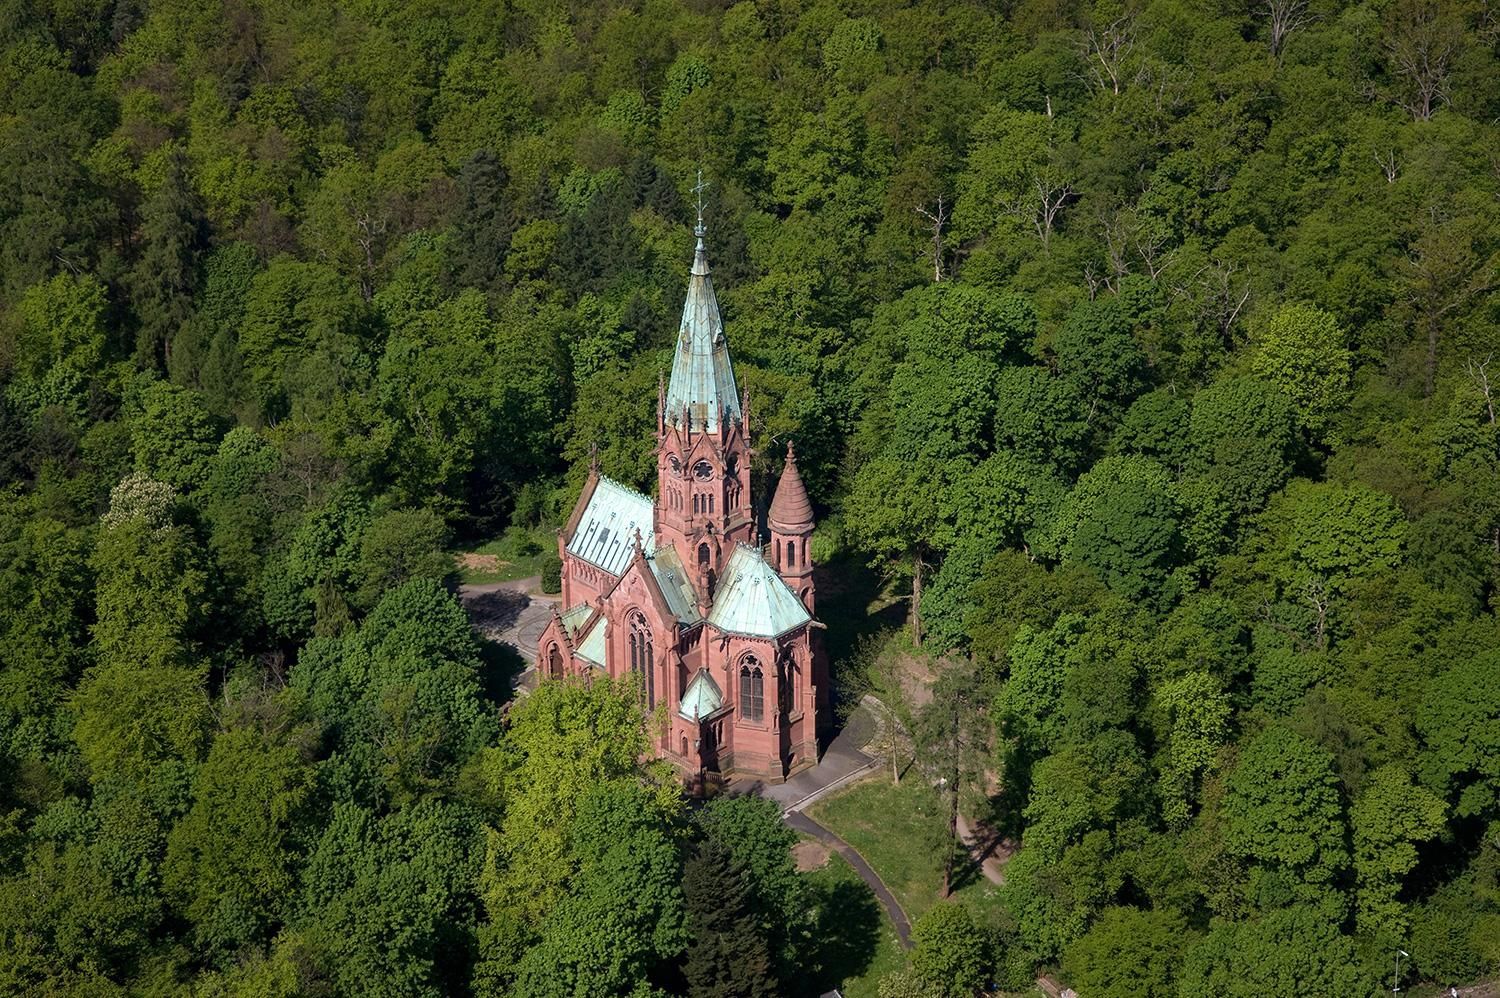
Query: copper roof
(702, 383)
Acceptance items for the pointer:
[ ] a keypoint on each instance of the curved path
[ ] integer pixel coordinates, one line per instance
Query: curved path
(802, 823)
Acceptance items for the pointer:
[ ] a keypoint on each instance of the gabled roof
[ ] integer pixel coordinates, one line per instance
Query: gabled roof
(702, 382)
(605, 533)
(701, 698)
(673, 581)
(574, 617)
(591, 648)
(752, 599)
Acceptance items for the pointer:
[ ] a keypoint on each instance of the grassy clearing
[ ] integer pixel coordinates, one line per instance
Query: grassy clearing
(518, 553)
(900, 832)
(857, 943)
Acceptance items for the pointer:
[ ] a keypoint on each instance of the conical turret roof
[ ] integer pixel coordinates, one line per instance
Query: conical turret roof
(702, 383)
(791, 511)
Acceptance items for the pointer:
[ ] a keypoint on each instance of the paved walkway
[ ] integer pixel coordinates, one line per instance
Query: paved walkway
(802, 823)
(842, 763)
(509, 612)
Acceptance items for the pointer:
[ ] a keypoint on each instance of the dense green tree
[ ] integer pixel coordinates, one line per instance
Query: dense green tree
(729, 953)
(1304, 354)
(1284, 814)
(1286, 950)
(231, 861)
(950, 951)
(1128, 952)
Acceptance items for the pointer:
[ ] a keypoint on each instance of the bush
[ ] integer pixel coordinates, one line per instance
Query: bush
(552, 574)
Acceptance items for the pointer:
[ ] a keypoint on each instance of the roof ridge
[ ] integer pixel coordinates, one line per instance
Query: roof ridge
(625, 488)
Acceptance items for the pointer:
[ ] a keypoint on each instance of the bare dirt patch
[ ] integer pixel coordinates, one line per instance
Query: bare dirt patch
(471, 561)
(809, 855)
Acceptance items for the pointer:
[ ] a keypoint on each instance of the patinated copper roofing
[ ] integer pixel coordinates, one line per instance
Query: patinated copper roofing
(752, 599)
(672, 578)
(605, 533)
(701, 698)
(593, 647)
(702, 384)
(791, 511)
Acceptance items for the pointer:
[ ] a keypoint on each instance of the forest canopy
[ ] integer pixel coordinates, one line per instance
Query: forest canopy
(1146, 348)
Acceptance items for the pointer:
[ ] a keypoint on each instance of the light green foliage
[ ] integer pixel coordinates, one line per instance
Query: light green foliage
(144, 701)
(173, 437)
(1027, 706)
(1284, 814)
(624, 908)
(61, 327)
(231, 861)
(1303, 352)
(1287, 951)
(401, 693)
(1389, 817)
(1332, 535)
(950, 951)
(1128, 953)
(908, 984)
(1198, 711)
(564, 741)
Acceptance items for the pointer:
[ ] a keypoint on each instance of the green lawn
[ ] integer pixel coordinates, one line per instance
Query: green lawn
(858, 944)
(518, 553)
(900, 832)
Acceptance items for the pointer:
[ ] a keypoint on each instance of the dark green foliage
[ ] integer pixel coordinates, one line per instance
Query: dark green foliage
(1141, 353)
(729, 953)
(1284, 951)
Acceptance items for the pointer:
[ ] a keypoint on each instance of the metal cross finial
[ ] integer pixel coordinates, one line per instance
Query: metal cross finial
(698, 189)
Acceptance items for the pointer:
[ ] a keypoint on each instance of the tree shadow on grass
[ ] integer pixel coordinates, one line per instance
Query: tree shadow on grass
(845, 936)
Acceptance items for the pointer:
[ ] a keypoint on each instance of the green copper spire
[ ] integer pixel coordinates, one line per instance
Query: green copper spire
(702, 385)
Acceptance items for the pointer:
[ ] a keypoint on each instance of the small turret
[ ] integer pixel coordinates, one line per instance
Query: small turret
(791, 522)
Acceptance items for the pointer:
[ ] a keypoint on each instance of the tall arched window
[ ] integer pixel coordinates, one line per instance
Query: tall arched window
(554, 662)
(791, 554)
(752, 690)
(642, 655)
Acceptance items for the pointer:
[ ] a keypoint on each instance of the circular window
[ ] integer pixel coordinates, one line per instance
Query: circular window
(674, 464)
(703, 471)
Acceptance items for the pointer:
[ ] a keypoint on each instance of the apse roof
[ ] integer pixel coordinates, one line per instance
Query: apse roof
(702, 382)
(752, 599)
(701, 698)
(605, 536)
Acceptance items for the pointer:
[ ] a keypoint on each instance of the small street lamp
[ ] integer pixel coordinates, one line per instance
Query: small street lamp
(1396, 981)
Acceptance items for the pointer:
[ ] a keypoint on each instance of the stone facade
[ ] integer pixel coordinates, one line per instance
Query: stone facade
(679, 591)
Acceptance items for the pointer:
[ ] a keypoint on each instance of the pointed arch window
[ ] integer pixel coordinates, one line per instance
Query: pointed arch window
(642, 654)
(752, 690)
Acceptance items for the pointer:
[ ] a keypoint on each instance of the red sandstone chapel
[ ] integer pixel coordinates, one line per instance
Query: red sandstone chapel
(680, 592)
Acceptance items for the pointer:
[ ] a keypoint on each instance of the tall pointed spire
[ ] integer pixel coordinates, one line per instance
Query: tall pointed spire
(702, 387)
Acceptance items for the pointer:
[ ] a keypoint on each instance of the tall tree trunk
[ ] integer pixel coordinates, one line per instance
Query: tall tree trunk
(952, 821)
(916, 600)
(895, 742)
